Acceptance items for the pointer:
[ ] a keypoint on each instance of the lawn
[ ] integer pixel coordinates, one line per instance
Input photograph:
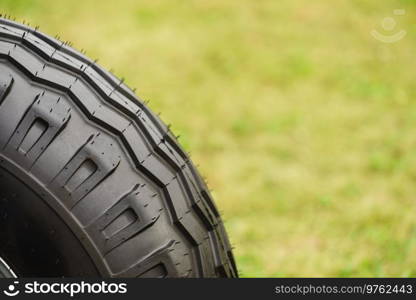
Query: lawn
(302, 122)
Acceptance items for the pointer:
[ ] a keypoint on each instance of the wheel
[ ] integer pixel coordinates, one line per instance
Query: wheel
(92, 183)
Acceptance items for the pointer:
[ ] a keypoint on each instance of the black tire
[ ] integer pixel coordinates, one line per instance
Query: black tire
(92, 183)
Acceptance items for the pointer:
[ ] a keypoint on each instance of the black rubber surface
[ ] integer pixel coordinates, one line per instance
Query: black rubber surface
(93, 183)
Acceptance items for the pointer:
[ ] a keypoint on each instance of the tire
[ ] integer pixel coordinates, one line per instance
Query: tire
(92, 183)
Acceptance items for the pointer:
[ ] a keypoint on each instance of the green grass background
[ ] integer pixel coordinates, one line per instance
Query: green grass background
(303, 124)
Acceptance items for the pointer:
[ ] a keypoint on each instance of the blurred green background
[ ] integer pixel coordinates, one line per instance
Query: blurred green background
(303, 123)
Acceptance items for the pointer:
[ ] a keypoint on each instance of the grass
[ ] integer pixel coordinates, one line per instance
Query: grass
(303, 124)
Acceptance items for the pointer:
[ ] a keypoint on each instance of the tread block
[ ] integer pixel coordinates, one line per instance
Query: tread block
(207, 256)
(6, 83)
(175, 196)
(66, 60)
(220, 257)
(158, 271)
(133, 213)
(164, 150)
(130, 106)
(103, 112)
(34, 42)
(46, 117)
(63, 79)
(5, 48)
(11, 32)
(86, 98)
(97, 79)
(89, 166)
(198, 204)
(151, 129)
(137, 145)
(167, 257)
(161, 171)
(223, 235)
(32, 64)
